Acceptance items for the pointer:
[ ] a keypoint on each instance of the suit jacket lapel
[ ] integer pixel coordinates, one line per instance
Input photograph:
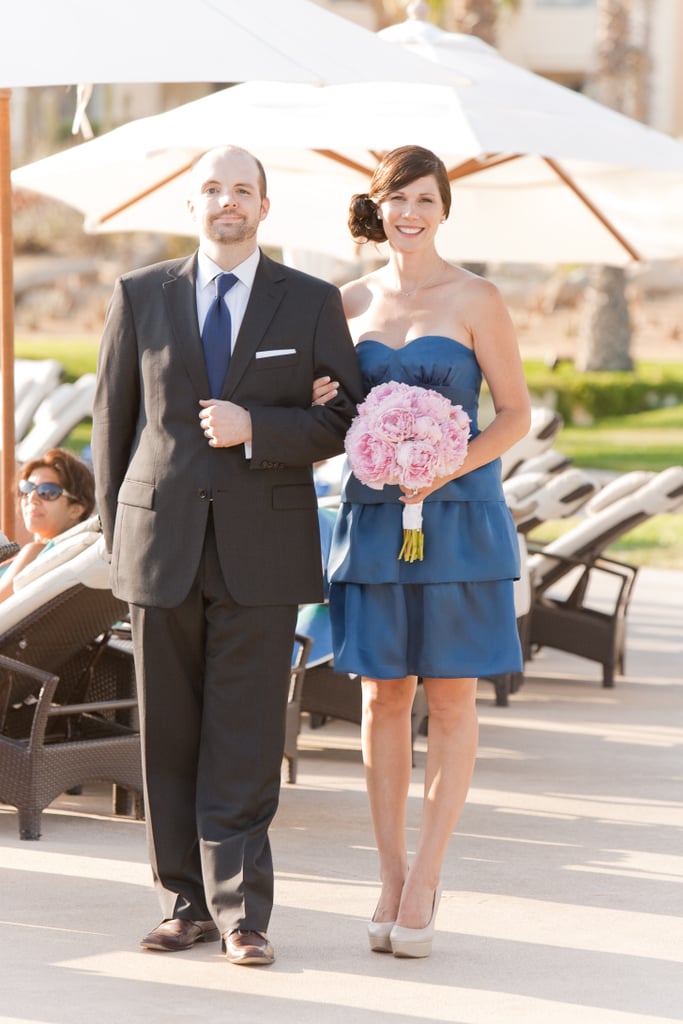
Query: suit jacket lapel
(181, 297)
(267, 293)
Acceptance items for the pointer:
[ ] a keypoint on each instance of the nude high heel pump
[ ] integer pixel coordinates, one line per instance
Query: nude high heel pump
(415, 942)
(379, 936)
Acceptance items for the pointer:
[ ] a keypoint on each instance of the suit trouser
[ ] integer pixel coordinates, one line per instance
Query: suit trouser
(213, 679)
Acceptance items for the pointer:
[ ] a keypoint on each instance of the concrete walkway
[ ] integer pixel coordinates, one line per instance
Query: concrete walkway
(563, 887)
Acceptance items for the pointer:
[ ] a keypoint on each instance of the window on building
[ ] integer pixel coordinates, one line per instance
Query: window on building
(565, 3)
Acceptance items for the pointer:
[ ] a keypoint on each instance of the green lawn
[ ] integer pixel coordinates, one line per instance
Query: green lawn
(648, 440)
(77, 357)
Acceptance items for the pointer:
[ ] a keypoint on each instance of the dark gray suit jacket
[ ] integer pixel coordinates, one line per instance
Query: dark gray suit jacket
(155, 471)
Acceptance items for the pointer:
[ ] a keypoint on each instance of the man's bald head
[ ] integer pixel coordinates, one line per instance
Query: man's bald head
(201, 165)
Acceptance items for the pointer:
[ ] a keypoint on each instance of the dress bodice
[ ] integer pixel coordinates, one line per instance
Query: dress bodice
(444, 365)
(431, 361)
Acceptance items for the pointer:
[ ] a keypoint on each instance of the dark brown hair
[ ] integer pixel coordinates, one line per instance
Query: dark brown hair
(397, 169)
(73, 474)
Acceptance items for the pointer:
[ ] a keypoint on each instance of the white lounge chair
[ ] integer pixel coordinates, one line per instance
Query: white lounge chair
(565, 612)
(535, 497)
(545, 425)
(57, 415)
(34, 380)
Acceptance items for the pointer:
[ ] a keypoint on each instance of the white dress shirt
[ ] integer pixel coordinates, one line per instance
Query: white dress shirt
(236, 299)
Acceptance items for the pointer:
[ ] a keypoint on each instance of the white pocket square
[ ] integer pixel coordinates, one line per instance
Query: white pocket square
(269, 353)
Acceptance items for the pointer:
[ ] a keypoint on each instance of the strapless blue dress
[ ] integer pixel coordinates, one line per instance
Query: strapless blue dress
(451, 615)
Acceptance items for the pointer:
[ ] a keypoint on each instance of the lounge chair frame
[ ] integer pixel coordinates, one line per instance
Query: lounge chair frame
(571, 625)
(67, 706)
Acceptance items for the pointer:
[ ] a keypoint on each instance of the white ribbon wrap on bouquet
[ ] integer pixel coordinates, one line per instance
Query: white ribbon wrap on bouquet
(412, 516)
(413, 537)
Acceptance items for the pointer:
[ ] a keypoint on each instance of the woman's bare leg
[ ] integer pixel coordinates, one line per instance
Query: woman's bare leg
(451, 753)
(387, 755)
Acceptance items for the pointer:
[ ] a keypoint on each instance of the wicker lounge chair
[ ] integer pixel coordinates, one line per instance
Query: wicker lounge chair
(302, 649)
(67, 697)
(574, 621)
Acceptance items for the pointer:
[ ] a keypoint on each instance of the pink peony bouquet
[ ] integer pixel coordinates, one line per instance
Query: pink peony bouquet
(408, 436)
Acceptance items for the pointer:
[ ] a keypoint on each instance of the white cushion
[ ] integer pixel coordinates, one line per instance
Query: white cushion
(65, 547)
(663, 492)
(89, 566)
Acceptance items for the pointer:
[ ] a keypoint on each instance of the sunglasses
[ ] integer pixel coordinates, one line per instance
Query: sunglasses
(47, 491)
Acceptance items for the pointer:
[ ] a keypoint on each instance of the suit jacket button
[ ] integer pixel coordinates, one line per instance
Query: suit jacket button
(203, 495)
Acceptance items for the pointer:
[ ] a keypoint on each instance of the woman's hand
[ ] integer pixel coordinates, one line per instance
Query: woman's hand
(324, 390)
(413, 496)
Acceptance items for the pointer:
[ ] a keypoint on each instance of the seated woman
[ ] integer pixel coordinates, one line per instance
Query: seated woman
(56, 491)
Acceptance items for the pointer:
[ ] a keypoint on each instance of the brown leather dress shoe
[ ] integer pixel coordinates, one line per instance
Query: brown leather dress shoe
(249, 949)
(177, 933)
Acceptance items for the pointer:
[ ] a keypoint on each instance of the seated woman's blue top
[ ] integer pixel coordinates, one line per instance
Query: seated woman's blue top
(3, 568)
(469, 534)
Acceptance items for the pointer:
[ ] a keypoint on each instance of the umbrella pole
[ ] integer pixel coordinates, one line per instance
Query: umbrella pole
(7, 468)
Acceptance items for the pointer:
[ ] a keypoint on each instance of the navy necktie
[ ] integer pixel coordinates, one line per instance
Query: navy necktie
(216, 335)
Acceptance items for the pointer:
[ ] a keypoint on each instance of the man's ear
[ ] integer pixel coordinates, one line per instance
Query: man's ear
(265, 206)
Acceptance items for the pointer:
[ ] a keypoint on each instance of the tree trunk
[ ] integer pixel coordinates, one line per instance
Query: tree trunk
(605, 333)
(621, 68)
(476, 18)
(387, 12)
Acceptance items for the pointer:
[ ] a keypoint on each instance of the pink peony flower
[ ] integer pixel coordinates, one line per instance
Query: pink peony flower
(417, 461)
(410, 436)
(428, 429)
(394, 424)
(374, 459)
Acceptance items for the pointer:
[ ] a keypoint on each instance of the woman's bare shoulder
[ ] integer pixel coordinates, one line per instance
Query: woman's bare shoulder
(357, 295)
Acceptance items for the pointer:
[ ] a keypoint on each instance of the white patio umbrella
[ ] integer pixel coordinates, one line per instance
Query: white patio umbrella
(55, 42)
(540, 173)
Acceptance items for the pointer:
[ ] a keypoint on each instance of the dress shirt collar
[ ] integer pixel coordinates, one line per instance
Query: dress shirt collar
(245, 272)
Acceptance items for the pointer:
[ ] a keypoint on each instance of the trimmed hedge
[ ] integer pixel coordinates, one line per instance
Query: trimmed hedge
(583, 398)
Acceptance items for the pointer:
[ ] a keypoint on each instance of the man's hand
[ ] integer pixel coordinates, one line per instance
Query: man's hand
(224, 424)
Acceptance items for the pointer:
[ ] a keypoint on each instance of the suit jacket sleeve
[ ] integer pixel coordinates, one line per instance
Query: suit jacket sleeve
(116, 407)
(295, 436)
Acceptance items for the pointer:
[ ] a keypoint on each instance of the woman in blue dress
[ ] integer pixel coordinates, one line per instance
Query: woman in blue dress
(449, 618)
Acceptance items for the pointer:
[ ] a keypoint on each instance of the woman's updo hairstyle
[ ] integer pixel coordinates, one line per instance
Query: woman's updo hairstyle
(397, 169)
(365, 222)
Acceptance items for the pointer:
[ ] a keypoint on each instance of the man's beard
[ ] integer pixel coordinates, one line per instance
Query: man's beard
(237, 231)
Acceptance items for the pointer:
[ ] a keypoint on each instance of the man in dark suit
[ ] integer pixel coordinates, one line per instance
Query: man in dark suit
(209, 511)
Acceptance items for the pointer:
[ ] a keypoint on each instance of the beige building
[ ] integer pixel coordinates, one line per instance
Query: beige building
(557, 38)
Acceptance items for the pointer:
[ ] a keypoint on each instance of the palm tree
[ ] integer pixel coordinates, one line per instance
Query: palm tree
(478, 17)
(621, 82)
(387, 12)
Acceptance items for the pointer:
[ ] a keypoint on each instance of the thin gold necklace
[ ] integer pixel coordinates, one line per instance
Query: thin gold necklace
(423, 284)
